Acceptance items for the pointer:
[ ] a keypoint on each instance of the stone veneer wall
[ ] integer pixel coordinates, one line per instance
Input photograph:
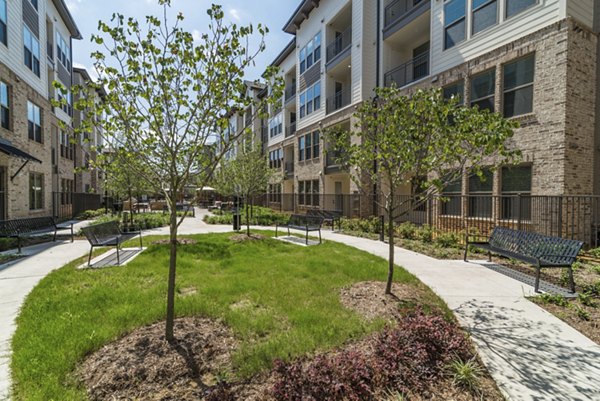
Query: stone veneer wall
(17, 199)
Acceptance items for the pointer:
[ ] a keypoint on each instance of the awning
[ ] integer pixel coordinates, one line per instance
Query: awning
(9, 149)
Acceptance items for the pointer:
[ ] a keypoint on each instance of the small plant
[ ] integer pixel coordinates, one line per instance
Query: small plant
(564, 277)
(582, 314)
(592, 289)
(555, 299)
(587, 300)
(406, 230)
(596, 269)
(447, 240)
(466, 374)
(425, 233)
(392, 395)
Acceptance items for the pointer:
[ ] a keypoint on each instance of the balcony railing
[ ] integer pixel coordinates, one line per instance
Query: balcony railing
(398, 9)
(290, 93)
(339, 100)
(290, 130)
(339, 44)
(411, 71)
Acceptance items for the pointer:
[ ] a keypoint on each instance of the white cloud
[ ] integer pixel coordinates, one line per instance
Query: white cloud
(73, 5)
(196, 35)
(235, 14)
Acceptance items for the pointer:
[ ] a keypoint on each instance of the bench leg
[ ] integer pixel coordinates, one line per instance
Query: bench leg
(489, 256)
(320, 242)
(538, 271)
(90, 256)
(306, 237)
(19, 243)
(141, 246)
(466, 250)
(289, 232)
(276, 230)
(118, 258)
(54, 239)
(571, 280)
(72, 235)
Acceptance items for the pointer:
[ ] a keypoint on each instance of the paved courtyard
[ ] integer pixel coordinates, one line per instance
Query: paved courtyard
(531, 354)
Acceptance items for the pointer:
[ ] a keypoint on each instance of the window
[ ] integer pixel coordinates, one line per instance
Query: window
(518, 87)
(275, 193)
(276, 125)
(456, 89)
(485, 14)
(301, 148)
(311, 53)
(66, 191)
(34, 124)
(315, 143)
(451, 205)
(67, 149)
(308, 146)
(483, 87)
(31, 51)
(3, 23)
(308, 193)
(310, 100)
(276, 158)
(34, 3)
(36, 191)
(514, 7)
(454, 22)
(480, 194)
(62, 51)
(4, 106)
(516, 193)
(67, 106)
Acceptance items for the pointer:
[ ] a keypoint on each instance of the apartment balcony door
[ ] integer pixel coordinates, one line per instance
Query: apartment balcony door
(421, 61)
(338, 96)
(2, 193)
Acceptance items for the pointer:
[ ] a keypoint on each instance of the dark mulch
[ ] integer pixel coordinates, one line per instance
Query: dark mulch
(180, 241)
(245, 237)
(142, 365)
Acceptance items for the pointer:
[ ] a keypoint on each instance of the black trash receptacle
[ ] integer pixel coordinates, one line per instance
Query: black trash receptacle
(237, 220)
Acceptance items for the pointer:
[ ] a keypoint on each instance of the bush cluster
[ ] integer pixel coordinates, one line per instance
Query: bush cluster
(261, 216)
(370, 226)
(141, 221)
(91, 214)
(408, 358)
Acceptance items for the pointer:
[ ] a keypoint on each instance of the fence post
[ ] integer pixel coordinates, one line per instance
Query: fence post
(560, 222)
(519, 219)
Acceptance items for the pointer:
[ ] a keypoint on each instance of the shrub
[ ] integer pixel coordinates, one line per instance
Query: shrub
(555, 299)
(447, 240)
(587, 300)
(407, 230)
(466, 374)
(425, 233)
(582, 314)
(91, 214)
(261, 216)
(369, 226)
(142, 221)
(7, 243)
(591, 289)
(596, 269)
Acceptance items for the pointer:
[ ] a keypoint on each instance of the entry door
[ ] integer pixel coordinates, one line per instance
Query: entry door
(2, 193)
(339, 197)
(338, 95)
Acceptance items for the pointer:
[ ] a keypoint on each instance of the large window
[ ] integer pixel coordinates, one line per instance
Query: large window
(452, 194)
(483, 87)
(480, 194)
(485, 14)
(34, 122)
(67, 149)
(518, 87)
(67, 104)
(516, 193)
(66, 191)
(310, 100)
(31, 48)
(308, 193)
(276, 125)
(276, 158)
(275, 193)
(4, 106)
(311, 53)
(516, 6)
(3, 23)
(36, 191)
(454, 22)
(308, 146)
(456, 89)
(62, 51)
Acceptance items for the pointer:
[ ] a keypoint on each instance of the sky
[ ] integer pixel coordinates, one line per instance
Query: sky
(272, 13)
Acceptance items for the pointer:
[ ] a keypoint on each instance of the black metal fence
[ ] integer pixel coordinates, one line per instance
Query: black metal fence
(574, 217)
(67, 205)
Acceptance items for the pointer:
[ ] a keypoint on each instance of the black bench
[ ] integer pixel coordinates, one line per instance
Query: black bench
(303, 222)
(536, 249)
(329, 216)
(108, 234)
(31, 226)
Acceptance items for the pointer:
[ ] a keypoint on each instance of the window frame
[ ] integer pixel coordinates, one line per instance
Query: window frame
(461, 94)
(479, 8)
(310, 100)
(492, 96)
(31, 61)
(518, 87)
(522, 195)
(446, 26)
(63, 54)
(310, 54)
(476, 200)
(447, 207)
(31, 131)
(506, 16)
(36, 191)
(4, 23)
(5, 105)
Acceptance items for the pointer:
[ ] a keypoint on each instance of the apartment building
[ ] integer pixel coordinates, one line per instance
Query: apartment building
(36, 159)
(531, 60)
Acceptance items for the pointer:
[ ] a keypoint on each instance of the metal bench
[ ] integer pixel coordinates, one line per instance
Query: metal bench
(329, 216)
(31, 226)
(538, 250)
(108, 234)
(302, 222)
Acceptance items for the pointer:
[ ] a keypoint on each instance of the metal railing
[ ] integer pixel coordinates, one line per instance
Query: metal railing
(339, 100)
(398, 9)
(67, 205)
(573, 217)
(339, 44)
(408, 72)
(290, 130)
(290, 93)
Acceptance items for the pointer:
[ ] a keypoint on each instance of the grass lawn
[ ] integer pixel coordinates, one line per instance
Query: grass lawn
(294, 292)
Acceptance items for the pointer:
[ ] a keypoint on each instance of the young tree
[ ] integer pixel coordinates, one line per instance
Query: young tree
(399, 138)
(245, 176)
(168, 95)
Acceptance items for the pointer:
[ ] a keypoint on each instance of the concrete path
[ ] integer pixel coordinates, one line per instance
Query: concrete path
(531, 354)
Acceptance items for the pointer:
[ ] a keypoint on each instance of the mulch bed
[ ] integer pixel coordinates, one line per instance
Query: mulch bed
(180, 241)
(589, 327)
(244, 237)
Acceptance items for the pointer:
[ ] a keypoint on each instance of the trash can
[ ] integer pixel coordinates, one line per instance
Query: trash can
(237, 220)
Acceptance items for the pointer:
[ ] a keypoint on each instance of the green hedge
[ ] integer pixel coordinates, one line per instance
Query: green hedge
(143, 221)
(261, 216)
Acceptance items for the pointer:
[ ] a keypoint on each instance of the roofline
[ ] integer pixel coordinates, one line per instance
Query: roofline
(66, 16)
(300, 15)
(287, 50)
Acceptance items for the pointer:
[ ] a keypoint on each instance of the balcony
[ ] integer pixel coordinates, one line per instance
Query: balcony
(340, 47)
(339, 100)
(409, 72)
(290, 130)
(401, 12)
(290, 94)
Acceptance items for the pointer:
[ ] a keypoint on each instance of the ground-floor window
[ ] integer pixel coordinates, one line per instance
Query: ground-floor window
(66, 191)
(275, 193)
(308, 193)
(36, 191)
(452, 197)
(480, 194)
(516, 193)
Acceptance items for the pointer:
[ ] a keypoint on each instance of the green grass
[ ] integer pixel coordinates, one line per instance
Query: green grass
(292, 292)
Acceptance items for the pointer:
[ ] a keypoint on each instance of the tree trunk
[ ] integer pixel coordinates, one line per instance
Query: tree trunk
(247, 217)
(130, 208)
(390, 278)
(169, 335)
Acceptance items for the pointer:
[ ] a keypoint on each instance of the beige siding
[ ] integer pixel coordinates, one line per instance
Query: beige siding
(582, 11)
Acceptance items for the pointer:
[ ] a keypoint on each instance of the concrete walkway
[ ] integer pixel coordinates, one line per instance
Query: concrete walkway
(531, 354)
